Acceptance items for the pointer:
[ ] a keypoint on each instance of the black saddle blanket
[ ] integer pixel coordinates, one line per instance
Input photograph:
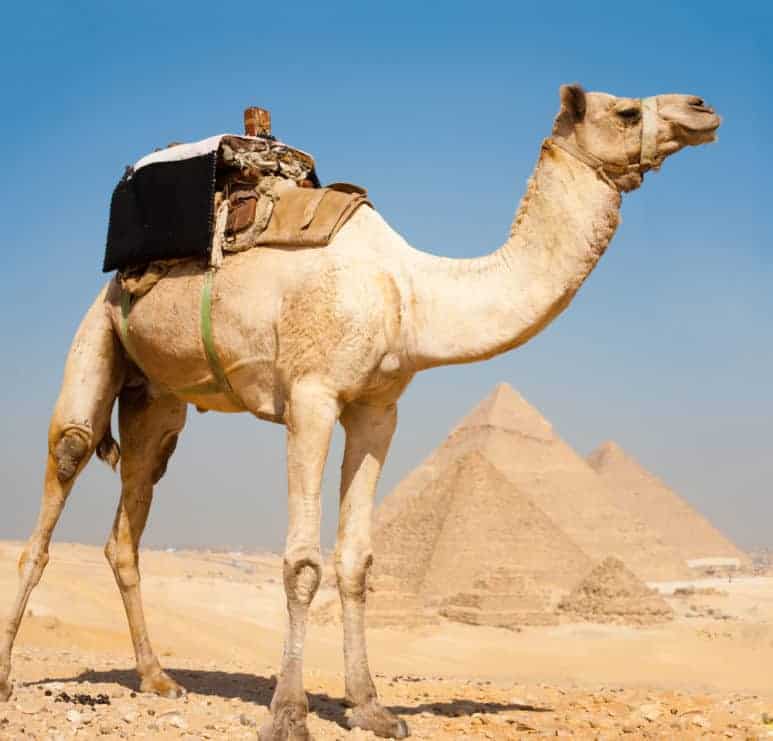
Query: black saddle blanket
(162, 211)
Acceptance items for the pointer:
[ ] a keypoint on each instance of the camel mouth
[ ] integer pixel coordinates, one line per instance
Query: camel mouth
(702, 133)
(696, 122)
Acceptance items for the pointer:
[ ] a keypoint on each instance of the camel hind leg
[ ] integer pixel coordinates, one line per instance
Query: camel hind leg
(149, 425)
(79, 425)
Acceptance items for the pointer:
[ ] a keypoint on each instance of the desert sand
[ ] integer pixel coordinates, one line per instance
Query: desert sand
(518, 590)
(217, 621)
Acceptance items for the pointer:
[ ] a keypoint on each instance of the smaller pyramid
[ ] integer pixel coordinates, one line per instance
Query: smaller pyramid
(648, 498)
(613, 594)
(503, 598)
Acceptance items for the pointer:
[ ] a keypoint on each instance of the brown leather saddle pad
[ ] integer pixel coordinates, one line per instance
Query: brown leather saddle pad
(303, 217)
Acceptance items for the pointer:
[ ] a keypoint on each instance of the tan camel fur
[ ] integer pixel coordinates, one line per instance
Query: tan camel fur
(312, 336)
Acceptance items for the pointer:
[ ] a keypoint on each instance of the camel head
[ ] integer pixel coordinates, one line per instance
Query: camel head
(626, 137)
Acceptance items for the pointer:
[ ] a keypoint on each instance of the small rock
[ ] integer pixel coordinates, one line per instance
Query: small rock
(650, 711)
(50, 622)
(173, 718)
(131, 716)
(245, 720)
(74, 717)
(31, 708)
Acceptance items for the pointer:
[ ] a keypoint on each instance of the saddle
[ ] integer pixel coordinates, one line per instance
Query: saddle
(224, 194)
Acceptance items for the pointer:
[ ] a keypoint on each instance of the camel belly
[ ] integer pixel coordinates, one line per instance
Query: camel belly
(164, 336)
(277, 315)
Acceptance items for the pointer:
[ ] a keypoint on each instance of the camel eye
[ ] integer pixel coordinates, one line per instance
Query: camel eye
(629, 114)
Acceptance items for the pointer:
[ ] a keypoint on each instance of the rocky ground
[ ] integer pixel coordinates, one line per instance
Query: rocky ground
(217, 624)
(61, 695)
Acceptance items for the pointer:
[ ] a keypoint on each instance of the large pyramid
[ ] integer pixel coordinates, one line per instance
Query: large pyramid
(513, 436)
(645, 496)
(476, 547)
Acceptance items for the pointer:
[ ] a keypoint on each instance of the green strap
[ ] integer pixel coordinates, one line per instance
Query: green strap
(221, 380)
(220, 383)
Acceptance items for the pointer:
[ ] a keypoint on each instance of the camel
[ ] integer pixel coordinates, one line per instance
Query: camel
(308, 337)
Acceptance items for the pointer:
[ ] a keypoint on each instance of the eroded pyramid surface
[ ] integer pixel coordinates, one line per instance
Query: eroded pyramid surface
(613, 594)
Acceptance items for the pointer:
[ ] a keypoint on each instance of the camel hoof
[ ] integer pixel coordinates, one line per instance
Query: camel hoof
(160, 683)
(6, 690)
(288, 724)
(376, 718)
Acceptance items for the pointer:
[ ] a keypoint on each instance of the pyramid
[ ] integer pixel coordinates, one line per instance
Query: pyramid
(503, 598)
(645, 496)
(521, 444)
(612, 594)
(474, 546)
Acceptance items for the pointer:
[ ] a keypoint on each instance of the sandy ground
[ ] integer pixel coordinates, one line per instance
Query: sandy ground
(217, 622)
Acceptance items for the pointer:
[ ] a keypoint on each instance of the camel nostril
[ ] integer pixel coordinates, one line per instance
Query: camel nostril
(698, 102)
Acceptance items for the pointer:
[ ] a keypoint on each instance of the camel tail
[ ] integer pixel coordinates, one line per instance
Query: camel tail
(108, 449)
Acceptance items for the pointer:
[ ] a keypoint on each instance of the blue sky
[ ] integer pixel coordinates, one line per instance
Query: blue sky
(439, 110)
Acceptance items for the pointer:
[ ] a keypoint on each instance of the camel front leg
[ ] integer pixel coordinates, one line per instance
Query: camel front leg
(310, 420)
(149, 426)
(369, 432)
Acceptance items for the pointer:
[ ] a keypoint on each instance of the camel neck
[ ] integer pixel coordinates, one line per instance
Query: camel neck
(469, 310)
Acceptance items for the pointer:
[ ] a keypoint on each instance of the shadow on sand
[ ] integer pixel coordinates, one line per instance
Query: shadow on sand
(259, 690)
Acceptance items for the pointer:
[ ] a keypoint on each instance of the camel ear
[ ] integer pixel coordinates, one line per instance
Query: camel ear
(572, 108)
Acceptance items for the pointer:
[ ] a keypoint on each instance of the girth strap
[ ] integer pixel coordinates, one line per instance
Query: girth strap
(209, 343)
(220, 383)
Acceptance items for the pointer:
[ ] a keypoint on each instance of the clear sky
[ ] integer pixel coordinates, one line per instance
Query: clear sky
(439, 109)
